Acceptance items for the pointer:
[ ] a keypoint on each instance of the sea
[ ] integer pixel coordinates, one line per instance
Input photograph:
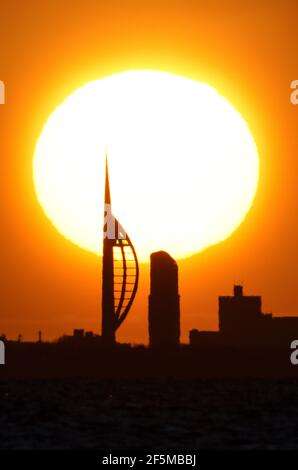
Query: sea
(152, 414)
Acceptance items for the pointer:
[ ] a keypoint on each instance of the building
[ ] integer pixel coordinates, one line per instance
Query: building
(164, 301)
(241, 315)
(120, 271)
(242, 324)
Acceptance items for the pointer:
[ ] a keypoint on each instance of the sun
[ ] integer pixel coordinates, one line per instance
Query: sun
(184, 166)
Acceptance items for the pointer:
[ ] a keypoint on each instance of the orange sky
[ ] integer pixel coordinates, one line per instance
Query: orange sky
(247, 50)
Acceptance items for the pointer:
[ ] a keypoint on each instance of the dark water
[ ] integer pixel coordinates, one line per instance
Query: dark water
(151, 414)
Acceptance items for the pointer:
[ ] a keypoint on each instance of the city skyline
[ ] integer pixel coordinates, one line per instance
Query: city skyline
(148, 188)
(47, 280)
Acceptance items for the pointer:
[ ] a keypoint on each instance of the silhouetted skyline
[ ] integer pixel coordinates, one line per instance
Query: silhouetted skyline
(243, 324)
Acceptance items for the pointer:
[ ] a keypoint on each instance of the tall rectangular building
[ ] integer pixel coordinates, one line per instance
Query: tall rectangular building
(164, 301)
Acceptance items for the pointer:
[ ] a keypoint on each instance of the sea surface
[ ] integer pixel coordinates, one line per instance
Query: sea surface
(148, 414)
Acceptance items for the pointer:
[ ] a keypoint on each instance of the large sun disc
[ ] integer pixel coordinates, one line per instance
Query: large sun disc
(183, 163)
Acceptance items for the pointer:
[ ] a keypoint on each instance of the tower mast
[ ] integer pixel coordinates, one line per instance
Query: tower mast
(120, 271)
(108, 317)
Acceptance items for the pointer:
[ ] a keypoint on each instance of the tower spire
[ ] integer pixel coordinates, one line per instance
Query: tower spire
(120, 271)
(108, 301)
(107, 183)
